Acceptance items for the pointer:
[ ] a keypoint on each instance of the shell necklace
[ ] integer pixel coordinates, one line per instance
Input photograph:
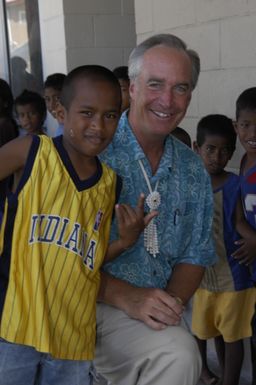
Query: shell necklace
(153, 201)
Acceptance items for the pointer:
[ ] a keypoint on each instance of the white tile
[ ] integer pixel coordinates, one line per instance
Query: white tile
(108, 57)
(92, 7)
(79, 31)
(127, 7)
(56, 62)
(53, 33)
(218, 9)
(218, 90)
(49, 9)
(167, 14)
(238, 42)
(143, 16)
(114, 31)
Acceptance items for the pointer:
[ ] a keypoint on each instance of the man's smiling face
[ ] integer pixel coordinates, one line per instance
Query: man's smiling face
(161, 93)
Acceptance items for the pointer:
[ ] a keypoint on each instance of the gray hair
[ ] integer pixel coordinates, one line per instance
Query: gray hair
(171, 41)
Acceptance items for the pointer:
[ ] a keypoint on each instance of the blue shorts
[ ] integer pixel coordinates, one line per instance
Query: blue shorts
(23, 365)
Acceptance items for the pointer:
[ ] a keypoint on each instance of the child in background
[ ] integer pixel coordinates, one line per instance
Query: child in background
(245, 127)
(122, 75)
(55, 236)
(52, 90)
(6, 114)
(31, 112)
(223, 306)
(8, 131)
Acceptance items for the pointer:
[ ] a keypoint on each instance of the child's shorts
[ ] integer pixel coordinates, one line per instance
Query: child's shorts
(228, 314)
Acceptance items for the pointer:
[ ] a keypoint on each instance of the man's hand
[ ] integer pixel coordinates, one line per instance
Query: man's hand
(132, 221)
(154, 307)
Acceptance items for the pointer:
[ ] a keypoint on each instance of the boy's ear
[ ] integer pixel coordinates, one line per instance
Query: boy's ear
(195, 147)
(60, 113)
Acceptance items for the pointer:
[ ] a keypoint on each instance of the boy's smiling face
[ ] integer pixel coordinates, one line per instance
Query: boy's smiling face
(52, 98)
(92, 117)
(246, 130)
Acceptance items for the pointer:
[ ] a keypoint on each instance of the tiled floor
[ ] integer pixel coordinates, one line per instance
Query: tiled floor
(212, 359)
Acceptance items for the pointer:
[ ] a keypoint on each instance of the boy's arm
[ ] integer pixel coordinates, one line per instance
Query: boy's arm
(247, 250)
(184, 281)
(13, 156)
(130, 222)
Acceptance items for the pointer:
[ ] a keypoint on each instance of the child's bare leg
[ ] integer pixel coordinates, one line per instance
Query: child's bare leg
(207, 376)
(253, 349)
(234, 355)
(253, 358)
(220, 350)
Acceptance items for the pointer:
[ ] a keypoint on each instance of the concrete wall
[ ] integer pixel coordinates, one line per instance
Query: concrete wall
(223, 33)
(86, 32)
(53, 38)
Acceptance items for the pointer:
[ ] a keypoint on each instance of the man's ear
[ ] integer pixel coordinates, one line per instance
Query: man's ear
(60, 113)
(195, 147)
(131, 89)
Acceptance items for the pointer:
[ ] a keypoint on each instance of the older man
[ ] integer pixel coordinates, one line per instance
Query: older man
(143, 293)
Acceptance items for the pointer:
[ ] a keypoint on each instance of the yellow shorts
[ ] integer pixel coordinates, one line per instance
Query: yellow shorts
(228, 314)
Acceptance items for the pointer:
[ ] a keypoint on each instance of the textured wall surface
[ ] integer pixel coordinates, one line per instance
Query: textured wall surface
(223, 33)
(86, 32)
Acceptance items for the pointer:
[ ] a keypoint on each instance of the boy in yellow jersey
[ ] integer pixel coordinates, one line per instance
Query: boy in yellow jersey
(55, 233)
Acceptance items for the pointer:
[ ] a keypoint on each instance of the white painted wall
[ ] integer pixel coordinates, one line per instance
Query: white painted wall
(53, 40)
(81, 32)
(86, 32)
(223, 33)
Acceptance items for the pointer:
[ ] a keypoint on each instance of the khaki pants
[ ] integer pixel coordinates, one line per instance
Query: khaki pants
(130, 353)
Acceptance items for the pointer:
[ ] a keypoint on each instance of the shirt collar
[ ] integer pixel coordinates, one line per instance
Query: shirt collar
(125, 135)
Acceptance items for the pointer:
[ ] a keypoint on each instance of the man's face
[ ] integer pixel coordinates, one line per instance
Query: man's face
(160, 95)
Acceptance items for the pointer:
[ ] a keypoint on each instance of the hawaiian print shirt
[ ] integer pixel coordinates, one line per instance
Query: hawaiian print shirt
(185, 213)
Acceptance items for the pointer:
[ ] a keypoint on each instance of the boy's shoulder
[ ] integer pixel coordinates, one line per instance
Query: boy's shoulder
(247, 174)
(106, 167)
(233, 182)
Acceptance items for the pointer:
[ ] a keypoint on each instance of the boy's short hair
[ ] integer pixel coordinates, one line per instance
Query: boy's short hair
(33, 98)
(246, 101)
(216, 124)
(55, 81)
(121, 73)
(91, 71)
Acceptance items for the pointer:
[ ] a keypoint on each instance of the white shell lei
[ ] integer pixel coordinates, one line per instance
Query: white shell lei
(153, 201)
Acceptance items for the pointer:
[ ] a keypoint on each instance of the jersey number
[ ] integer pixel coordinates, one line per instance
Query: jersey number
(250, 204)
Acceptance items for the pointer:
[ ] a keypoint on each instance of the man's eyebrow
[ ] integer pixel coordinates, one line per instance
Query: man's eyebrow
(155, 79)
(187, 84)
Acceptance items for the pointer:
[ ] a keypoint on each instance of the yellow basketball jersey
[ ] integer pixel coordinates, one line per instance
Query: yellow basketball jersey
(53, 239)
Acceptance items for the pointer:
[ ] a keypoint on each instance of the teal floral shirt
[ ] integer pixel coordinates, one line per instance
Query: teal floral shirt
(185, 212)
